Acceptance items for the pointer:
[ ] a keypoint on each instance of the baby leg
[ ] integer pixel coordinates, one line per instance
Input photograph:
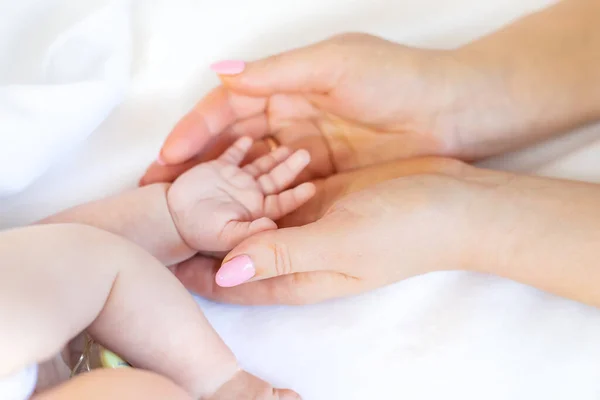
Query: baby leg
(62, 279)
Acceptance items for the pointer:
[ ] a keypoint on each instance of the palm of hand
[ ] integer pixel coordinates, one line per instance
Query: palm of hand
(218, 204)
(365, 102)
(384, 103)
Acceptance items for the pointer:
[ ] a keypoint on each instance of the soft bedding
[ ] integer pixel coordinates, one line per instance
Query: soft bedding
(88, 91)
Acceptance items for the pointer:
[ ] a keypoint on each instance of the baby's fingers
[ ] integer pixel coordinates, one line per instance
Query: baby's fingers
(267, 162)
(281, 176)
(279, 205)
(236, 152)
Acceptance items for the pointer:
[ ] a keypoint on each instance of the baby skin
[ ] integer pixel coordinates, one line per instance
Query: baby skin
(209, 210)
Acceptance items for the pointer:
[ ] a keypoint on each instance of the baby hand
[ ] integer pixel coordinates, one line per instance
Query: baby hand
(217, 204)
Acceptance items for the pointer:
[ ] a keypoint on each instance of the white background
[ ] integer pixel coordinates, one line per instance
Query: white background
(88, 92)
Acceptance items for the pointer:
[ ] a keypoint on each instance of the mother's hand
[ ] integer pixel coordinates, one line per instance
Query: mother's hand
(538, 231)
(335, 187)
(388, 232)
(351, 101)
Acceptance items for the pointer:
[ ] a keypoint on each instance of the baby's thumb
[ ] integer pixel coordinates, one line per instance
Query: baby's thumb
(313, 68)
(276, 253)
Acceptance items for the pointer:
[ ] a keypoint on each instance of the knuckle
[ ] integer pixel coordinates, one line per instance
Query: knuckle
(282, 259)
(267, 183)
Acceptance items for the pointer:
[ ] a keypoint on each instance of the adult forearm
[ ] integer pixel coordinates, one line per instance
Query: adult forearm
(140, 215)
(541, 232)
(533, 79)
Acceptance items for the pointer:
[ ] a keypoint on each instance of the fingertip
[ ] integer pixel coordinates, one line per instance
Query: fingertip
(228, 67)
(310, 186)
(244, 142)
(154, 172)
(303, 155)
(235, 271)
(160, 161)
(299, 160)
(187, 138)
(150, 175)
(261, 225)
(305, 191)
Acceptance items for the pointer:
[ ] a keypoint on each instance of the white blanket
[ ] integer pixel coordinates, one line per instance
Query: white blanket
(90, 88)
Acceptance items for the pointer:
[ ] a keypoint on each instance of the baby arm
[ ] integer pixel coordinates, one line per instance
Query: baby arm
(210, 208)
(58, 280)
(141, 215)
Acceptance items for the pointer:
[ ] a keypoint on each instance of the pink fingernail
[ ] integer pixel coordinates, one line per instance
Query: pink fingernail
(228, 67)
(160, 161)
(235, 271)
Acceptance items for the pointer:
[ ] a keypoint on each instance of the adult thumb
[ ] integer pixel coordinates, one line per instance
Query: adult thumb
(314, 68)
(279, 252)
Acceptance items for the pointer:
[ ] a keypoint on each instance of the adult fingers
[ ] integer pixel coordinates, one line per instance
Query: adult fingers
(209, 118)
(313, 247)
(198, 275)
(310, 69)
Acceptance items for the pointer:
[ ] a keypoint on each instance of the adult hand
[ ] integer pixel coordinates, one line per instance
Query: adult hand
(355, 100)
(538, 231)
(351, 101)
(422, 221)
(329, 191)
(335, 187)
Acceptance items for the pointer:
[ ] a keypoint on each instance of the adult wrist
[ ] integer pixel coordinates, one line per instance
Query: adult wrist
(532, 80)
(538, 231)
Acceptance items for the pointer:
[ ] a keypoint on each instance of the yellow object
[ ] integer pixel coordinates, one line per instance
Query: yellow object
(95, 356)
(108, 359)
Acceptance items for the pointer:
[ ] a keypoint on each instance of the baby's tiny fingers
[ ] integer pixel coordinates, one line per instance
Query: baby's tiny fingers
(237, 151)
(267, 162)
(279, 205)
(285, 173)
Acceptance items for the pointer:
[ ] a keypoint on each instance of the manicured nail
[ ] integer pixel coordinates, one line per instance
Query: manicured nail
(160, 161)
(235, 271)
(228, 67)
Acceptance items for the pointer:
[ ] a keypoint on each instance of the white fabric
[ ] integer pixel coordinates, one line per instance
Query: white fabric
(20, 385)
(88, 91)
